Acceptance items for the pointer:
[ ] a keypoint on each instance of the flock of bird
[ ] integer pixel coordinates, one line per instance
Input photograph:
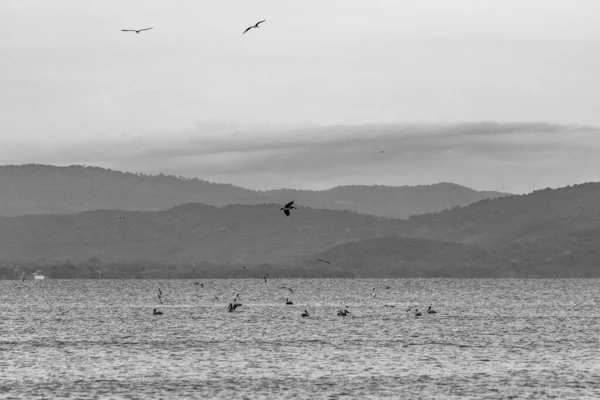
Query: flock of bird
(342, 312)
(147, 29)
(287, 211)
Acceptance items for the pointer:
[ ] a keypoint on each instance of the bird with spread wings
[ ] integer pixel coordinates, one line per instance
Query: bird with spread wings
(254, 26)
(136, 30)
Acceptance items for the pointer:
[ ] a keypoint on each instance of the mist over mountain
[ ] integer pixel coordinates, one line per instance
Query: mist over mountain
(547, 233)
(550, 232)
(44, 189)
(250, 234)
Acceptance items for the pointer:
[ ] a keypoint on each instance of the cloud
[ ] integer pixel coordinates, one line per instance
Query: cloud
(500, 156)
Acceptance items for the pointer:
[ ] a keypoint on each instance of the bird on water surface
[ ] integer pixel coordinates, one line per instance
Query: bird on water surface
(156, 312)
(254, 26)
(305, 314)
(288, 302)
(430, 311)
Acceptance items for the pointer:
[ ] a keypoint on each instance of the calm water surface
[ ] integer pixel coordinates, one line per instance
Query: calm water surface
(489, 339)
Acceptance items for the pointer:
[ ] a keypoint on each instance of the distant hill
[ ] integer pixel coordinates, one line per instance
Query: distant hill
(236, 234)
(542, 234)
(405, 258)
(44, 189)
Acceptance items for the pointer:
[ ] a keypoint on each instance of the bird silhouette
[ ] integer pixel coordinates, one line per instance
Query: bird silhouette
(286, 209)
(285, 287)
(254, 26)
(323, 261)
(136, 30)
(156, 312)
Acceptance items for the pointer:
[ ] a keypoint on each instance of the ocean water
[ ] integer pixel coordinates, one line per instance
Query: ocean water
(490, 339)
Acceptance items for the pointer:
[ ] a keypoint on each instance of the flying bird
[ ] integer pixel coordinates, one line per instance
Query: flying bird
(286, 209)
(323, 261)
(254, 26)
(136, 30)
(285, 287)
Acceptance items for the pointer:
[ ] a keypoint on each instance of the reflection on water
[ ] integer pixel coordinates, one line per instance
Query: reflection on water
(489, 339)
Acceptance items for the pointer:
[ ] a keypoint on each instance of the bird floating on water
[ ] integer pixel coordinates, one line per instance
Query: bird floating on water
(136, 30)
(121, 217)
(343, 313)
(430, 311)
(305, 314)
(232, 306)
(417, 313)
(287, 208)
(254, 26)
(265, 277)
(156, 312)
(288, 302)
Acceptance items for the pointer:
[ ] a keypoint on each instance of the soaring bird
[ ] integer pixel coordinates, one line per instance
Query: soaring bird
(286, 209)
(136, 30)
(323, 261)
(285, 287)
(254, 26)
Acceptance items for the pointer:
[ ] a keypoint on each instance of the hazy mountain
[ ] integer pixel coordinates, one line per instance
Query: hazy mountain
(43, 189)
(192, 232)
(545, 233)
(404, 257)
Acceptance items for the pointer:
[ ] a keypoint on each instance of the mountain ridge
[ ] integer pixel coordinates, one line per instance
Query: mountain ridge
(43, 189)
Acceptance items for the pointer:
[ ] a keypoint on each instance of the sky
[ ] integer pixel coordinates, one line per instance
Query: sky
(310, 98)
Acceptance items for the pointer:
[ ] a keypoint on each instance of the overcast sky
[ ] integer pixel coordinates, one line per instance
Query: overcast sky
(193, 96)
